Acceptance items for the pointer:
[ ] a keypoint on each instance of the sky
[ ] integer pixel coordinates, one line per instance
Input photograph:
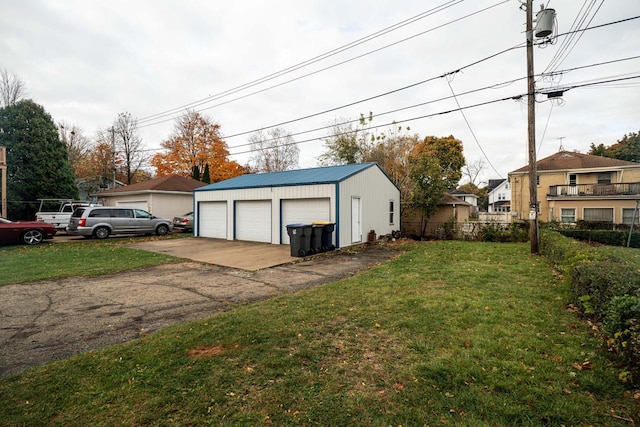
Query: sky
(247, 65)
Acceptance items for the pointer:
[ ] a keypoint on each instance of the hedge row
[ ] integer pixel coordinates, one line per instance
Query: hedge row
(606, 287)
(606, 237)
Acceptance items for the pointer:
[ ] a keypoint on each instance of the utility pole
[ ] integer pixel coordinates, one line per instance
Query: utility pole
(531, 117)
(113, 156)
(3, 170)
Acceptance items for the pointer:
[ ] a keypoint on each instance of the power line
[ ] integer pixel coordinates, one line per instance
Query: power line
(471, 130)
(315, 59)
(505, 83)
(162, 120)
(481, 104)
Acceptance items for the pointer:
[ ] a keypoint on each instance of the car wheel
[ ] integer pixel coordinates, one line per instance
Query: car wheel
(162, 230)
(32, 237)
(101, 233)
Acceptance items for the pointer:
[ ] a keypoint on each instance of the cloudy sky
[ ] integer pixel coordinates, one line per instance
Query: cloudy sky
(251, 65)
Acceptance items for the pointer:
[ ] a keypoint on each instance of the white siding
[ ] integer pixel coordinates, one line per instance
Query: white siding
(161, 204)
(375, 191)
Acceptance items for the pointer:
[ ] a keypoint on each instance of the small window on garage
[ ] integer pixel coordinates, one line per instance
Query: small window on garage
(391, 211)
(568, 215)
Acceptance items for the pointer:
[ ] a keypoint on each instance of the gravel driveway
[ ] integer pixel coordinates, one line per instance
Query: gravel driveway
(45, 321)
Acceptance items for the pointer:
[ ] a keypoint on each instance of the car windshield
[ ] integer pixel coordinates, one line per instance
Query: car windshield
(5, 221)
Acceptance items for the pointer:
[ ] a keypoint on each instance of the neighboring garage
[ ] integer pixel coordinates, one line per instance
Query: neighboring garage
(165, 197)
(257, 207)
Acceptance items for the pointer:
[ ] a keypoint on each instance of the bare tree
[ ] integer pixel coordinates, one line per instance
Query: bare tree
(472, 172)
(129, 144)
(274, 150)
(78, 146)
(12, 89)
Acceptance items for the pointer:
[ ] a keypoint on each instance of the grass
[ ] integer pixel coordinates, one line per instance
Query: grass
(48, 261)
(451, 333)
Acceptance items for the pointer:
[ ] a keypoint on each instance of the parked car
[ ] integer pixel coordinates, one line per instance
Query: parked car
(27, 232)
(101, 222)
(184, 222)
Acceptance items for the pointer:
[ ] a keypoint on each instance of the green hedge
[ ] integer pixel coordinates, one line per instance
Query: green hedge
(606, 237)
(605, 285)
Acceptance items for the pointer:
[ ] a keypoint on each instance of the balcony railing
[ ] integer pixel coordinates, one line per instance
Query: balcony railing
(591, 190)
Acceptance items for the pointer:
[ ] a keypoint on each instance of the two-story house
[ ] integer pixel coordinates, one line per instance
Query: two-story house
(574, 186)
(499, 196)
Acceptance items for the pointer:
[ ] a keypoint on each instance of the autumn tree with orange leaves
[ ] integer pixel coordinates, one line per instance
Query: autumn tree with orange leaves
(195, 144)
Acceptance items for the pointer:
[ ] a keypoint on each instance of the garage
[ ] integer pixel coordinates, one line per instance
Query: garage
(260, 205)
(214, 219)
(253, 220)
(139, 204)
(303, 211)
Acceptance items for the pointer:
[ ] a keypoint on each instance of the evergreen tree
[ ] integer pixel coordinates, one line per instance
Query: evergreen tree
(206, 176)
(37, 162)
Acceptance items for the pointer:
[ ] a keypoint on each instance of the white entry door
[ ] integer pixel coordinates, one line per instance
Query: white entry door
(356, 220)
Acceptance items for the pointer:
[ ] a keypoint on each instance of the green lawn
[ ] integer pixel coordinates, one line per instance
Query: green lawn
(19, 264)
(449, 333)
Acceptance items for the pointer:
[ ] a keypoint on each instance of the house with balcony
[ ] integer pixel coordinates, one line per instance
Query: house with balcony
(575, 187)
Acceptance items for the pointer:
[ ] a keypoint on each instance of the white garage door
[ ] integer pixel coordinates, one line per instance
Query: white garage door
(138, 204)
(303, 211)
(212, 221)
(253, 220)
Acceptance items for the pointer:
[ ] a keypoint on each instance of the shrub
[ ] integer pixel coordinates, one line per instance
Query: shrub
(606, 287)
(606, 237)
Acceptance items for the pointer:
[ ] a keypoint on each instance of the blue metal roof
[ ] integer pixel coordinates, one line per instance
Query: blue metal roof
(323, 175)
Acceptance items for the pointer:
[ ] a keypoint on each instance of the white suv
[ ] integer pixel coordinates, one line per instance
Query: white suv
(100, 222)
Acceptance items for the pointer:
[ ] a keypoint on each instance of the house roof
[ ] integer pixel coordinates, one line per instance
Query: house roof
(494, 183)
(449, 199)
(170, 183)
(322, 175)
(458, 192)
(567, 160)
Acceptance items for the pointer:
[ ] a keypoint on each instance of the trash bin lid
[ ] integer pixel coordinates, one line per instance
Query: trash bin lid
(322, 222)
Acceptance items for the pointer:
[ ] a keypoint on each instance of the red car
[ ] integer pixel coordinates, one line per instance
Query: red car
(27, 232)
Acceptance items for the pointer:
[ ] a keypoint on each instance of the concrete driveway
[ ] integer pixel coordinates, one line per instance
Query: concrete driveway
(45, 321)
(228, 253)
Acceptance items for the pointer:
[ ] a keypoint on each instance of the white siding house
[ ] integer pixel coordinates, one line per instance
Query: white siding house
(500, 198)
(258, 207)
(165, 197)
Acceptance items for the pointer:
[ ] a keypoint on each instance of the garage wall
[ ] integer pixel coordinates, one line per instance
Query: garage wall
(375, 191)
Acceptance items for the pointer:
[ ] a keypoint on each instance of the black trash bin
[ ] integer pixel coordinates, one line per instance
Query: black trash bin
(299, 239)
(316, 238)
(327, 234)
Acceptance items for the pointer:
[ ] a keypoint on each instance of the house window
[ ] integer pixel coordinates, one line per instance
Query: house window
(537, 179)
(604, 178)
(573, 179)
(598, 214)
(627, 216)
(568, 215)
(391, 211)
(501, 196)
